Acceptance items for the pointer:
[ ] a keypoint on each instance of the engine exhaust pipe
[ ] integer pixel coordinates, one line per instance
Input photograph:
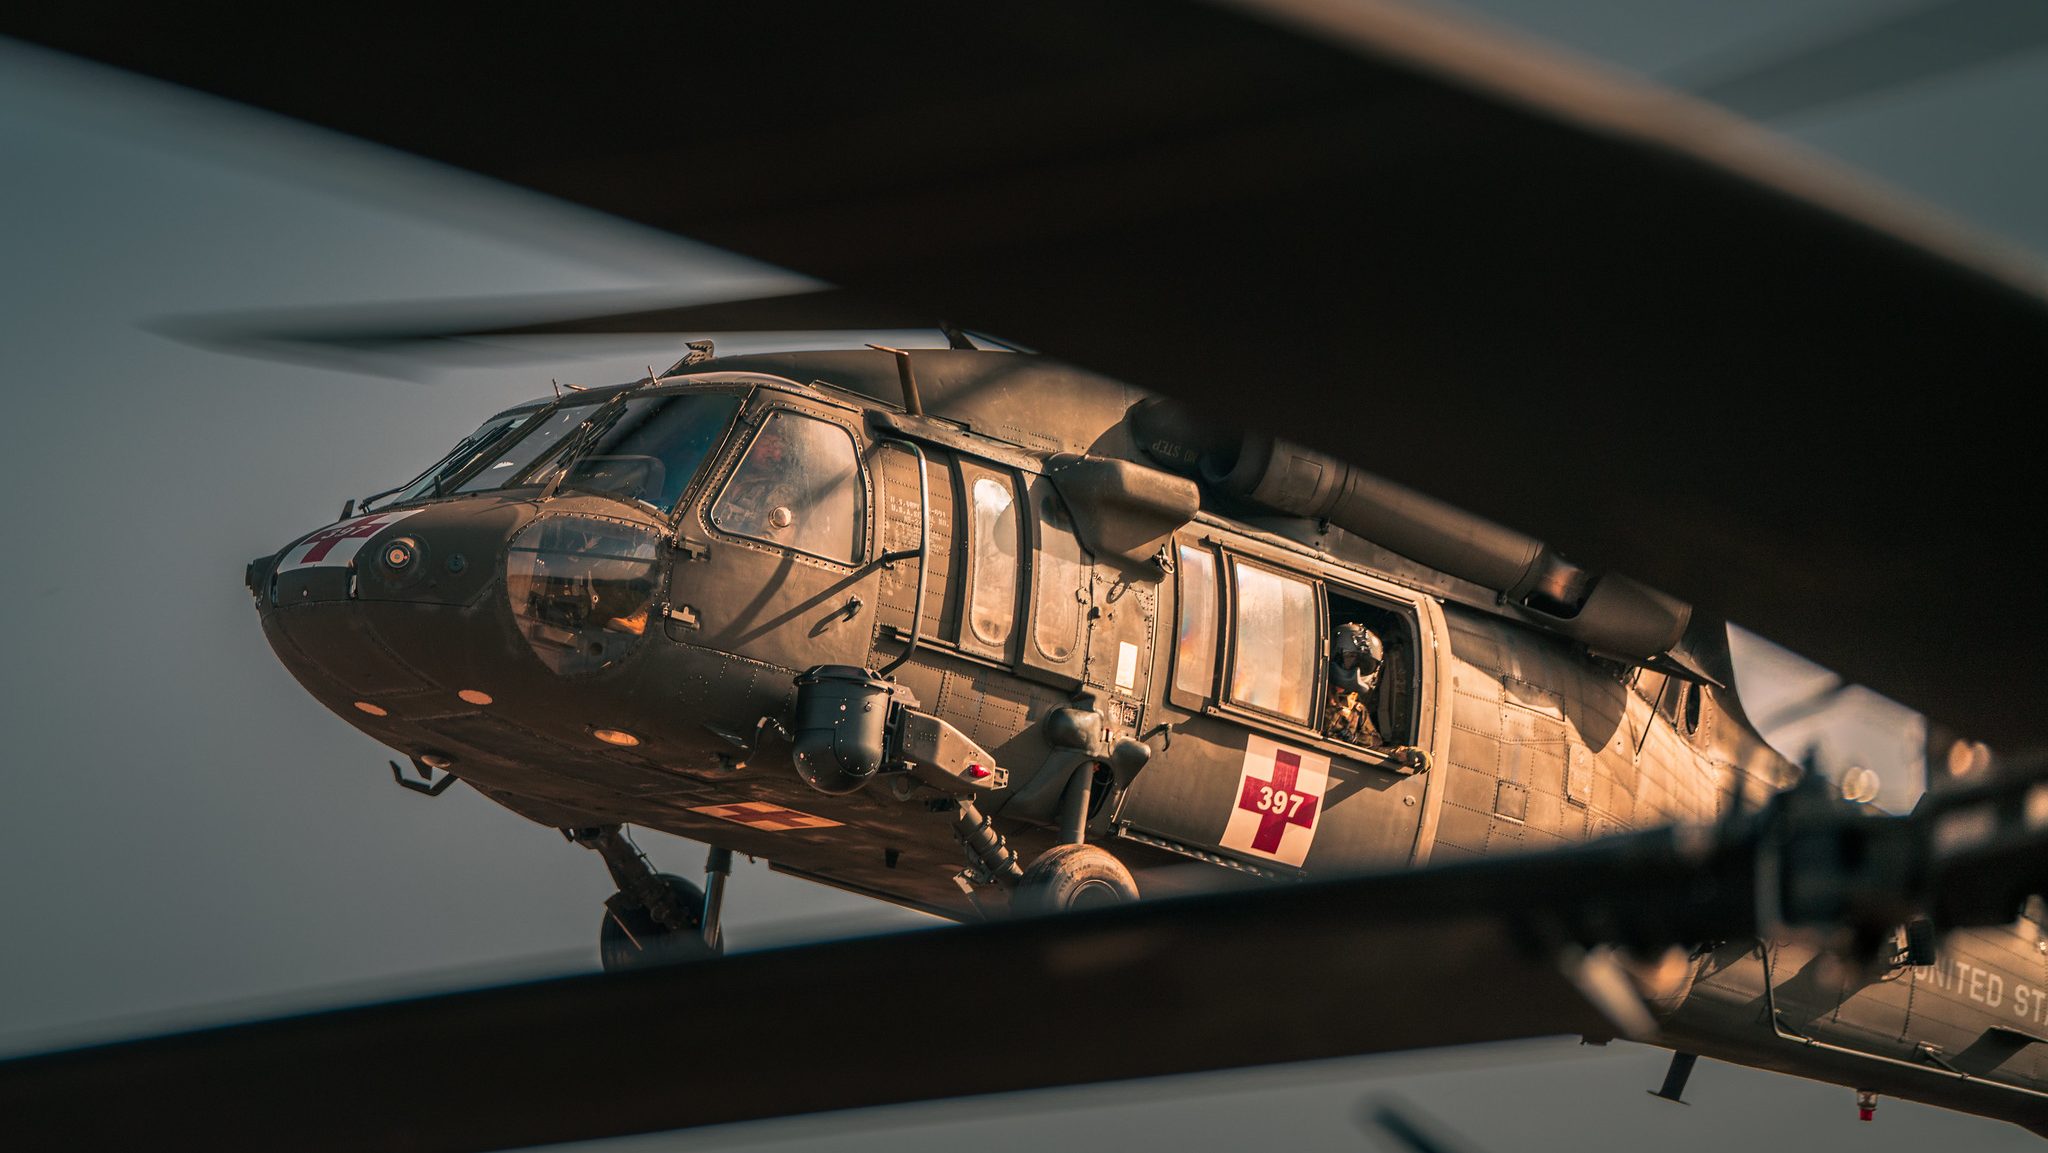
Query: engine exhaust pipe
(1608, 612)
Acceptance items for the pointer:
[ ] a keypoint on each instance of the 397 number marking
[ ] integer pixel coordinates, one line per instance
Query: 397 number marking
(1272, 800)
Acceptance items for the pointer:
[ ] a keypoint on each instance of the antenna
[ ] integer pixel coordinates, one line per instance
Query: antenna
(912, 404)
(558, 387)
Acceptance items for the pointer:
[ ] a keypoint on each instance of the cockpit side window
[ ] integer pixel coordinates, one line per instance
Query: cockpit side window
(798, 486)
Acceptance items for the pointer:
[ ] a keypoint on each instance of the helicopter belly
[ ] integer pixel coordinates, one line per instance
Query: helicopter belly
(457, 684)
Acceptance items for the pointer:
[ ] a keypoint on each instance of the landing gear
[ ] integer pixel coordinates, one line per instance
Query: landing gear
(632, 938)
(1073, 875)
(1070, 877)
(654, 918)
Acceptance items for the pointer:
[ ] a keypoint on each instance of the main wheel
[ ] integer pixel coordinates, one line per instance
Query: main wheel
(1070, 877)
(632, 939)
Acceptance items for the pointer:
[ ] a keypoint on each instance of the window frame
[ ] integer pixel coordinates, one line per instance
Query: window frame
(969, 471)
(1226, 673)
(1036, 592)
(523, 477)
(1405, 612)
(1424, 631)
(1219, 637)
(745, 430)
(707, 467)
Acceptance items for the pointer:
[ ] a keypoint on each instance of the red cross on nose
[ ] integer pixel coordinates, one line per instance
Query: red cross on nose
(321, 543)
(1277, 802)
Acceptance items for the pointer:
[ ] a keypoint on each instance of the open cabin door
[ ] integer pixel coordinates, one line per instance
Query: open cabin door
(1251, 773)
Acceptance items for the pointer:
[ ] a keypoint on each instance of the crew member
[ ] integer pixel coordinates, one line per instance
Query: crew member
(1354, 685)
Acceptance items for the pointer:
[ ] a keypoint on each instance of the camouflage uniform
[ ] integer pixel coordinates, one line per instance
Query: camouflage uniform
(1354, 684)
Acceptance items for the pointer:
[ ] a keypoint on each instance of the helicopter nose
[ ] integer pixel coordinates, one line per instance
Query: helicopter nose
(435, 555)
(390, 606)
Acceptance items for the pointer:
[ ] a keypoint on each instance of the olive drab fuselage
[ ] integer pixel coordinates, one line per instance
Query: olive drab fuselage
(620, 643)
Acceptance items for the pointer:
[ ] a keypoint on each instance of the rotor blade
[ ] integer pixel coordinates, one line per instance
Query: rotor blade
(407, 339)
(398, 323)
(1152, 989)
(1576, 305)
(1517, 946)
(1398, 1122)
(1912, 46)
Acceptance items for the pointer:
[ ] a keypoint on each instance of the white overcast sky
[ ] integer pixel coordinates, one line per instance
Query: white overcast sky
(188, 837)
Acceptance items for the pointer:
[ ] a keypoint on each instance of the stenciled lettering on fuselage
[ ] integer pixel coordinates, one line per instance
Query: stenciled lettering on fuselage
(338, 543)
(1989, 989)
(1279, 802)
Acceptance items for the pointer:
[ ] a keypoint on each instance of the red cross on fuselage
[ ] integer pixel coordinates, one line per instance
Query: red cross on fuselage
(1277, 802)
(321, 543)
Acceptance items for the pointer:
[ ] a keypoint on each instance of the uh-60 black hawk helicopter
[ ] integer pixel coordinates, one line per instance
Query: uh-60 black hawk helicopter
(884, 610)
(970, 631)
(856, 611)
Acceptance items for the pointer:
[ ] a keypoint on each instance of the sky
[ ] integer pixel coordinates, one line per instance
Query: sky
(190, 838)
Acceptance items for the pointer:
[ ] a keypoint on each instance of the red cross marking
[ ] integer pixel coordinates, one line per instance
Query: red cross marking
(1277, 802)
(321, 543)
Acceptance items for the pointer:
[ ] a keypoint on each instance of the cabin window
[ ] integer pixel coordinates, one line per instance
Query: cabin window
(1056, 617)
(799, 486)
(1194, 646)
(1273, 658)
(902, 518)
(992, 607)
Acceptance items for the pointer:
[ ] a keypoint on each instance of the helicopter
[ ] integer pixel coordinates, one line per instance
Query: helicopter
(983, 265)
(980, 633)
(863, 613)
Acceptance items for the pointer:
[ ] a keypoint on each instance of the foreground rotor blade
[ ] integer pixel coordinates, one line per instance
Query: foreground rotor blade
(1581, 307)
(1514, 947)
(419, 334)
(1388, 1121)
(1161, 988)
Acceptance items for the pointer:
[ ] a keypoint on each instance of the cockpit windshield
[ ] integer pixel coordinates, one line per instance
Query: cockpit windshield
(515, 458)
(646, 449)
(465, 453)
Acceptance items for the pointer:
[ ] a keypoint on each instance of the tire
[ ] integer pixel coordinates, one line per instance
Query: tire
(1068, 878)
(630, 937)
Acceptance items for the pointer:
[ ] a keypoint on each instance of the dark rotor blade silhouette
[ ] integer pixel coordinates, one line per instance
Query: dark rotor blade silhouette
(1517, 946)
(1174, 986)
(411, 339)
(1577, 305)
(1400, 1124)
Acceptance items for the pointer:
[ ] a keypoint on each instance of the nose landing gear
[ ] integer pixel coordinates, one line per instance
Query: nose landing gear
(654, 918)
